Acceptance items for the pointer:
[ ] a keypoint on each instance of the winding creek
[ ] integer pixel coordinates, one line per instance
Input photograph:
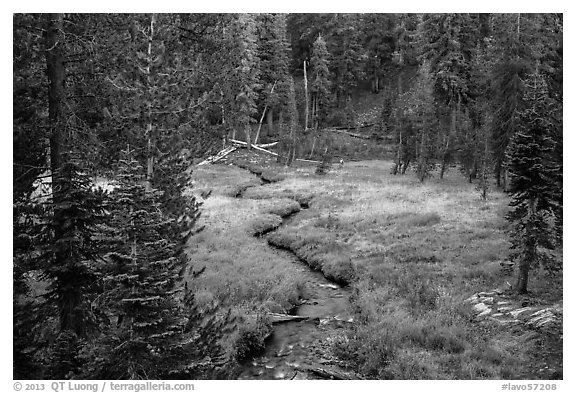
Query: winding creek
(300, 349)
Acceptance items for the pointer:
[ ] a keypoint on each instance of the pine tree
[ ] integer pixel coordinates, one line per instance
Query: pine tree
(347, 56)
(448, 44)
(416, 125)
(291, 136)
(70, 260)
(151, 328)
(140, 287)
(533, 188)
(274, 55)
(514, 52)
(320, 82)
(246, 73)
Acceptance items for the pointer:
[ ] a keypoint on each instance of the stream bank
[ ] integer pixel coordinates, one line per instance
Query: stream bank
(301, 348)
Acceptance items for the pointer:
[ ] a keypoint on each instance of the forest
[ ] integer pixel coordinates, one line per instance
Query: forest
(287, 196)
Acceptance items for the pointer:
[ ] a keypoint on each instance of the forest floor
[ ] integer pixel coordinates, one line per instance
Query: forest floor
(421, 260)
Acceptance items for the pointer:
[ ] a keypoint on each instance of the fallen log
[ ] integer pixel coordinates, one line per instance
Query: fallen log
(259, 147)
(327, 373)
(347, 133)
(312, 161)
(244, 144)
(266, 144)
(280, 318)
(220, 155)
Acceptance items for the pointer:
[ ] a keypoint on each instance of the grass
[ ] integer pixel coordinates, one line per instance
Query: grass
(242, 272)
(413, 252)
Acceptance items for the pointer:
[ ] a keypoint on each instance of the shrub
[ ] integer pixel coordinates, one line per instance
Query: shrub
(252, 337)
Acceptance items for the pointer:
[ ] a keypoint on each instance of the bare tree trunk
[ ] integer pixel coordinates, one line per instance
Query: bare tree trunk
(448, 138)
(305, 98)
(149, 127)
(269, 121)
(398, 165)
(265, 112)
(529, 255)
(56, 76)
(313, 145)
(247, 132)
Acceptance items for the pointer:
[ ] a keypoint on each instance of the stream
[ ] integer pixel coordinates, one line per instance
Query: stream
(301, 349)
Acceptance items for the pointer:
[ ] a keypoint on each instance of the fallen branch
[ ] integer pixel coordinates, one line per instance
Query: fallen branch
(266, 144)
(244, 144)
(347, 133)
(312, 161)
(328, 373)
(279, 318)
(263, 113)
(220, 155)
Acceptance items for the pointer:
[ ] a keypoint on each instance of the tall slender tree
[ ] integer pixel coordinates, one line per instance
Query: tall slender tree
(320, 82)
(246, 73)
(533, 183)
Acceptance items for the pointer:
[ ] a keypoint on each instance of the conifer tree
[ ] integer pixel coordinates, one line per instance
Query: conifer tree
(140, 290)
(320, 82)
(415, 125)
(274, 55)
(246, 73)
(448, 44)
(533, 188)
(152, 328)
(347, 56)
(70, 261)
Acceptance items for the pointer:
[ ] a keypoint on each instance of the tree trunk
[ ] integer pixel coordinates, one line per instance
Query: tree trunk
(56, 75)
(529, 255)
(149, 127)
(313, 145)
(306, 107)
(497, 173)
(247, 132)
(375, 83)
(398, 165)
(447, 147)
(69, 300)
(270, 121)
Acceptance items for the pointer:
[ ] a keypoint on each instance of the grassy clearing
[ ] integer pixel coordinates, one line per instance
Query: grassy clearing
(413, 252)
(242, 272)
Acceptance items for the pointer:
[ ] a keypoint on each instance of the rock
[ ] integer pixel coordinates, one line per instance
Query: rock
(331, 286)
(279, 318)
(504, 309)
(280, 375)
(269, 366)
(285, 351)
(486, 294)
(480, 307)
(519, 311)
(502, 303)
(473, 299)
(498, 314)
(485, 312)
(488, 300)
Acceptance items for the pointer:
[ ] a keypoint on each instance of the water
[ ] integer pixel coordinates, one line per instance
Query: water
(295, 347)
(302, 350)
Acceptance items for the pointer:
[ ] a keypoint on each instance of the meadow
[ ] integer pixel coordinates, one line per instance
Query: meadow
(411, 252)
